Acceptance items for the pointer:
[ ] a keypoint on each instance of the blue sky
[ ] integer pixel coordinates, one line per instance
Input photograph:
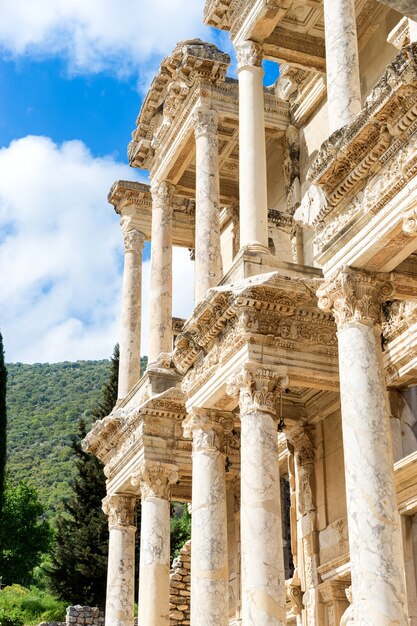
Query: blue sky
(72, 76)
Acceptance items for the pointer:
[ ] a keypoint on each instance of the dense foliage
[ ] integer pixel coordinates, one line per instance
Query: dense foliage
(3, 420)
(79, 561)
(20, 606)
(24, 534)
(180, 527)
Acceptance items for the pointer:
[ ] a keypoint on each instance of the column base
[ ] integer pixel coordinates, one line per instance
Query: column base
(255, 248)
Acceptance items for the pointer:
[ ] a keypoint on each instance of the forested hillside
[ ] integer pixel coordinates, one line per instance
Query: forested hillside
(44, 403)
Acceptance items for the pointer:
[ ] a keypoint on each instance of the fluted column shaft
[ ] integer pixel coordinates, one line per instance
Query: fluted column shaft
(155, 481)
(342, 63)
(378, 586)
(209, 553)
(160, 317)
(208, 260)
(121, 561)
(129, 362)
(253, 198)
(263, 574)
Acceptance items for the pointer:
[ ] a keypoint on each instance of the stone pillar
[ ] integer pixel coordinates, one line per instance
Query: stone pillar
(155, 480)
(160, 307)
(412, 30)
(129, 367)
(342, 63)
(263, 574)
(253, 197)
(120, 595)
(333, 596)
(209, 554)
(208, 259)
(378, 591)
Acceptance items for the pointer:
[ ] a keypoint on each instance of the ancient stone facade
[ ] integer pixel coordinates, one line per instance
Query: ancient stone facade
(283, 410)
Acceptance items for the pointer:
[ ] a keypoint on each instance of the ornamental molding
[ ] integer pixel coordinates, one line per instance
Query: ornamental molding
(353, 156)
(155, 480)
(258, 390)
(192, 62)
(355, 296)
(120, 509)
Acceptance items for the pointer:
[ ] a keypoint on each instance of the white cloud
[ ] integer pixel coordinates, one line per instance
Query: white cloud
(101, 34)
(61, 255)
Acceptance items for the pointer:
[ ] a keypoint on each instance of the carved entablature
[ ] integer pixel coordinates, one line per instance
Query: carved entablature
(362, 166)
(191, 62)
(245, 18)
(272, 310)
(133, 201)
(113, 438)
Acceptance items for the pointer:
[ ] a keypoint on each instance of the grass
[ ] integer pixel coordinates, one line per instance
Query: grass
(28, 607)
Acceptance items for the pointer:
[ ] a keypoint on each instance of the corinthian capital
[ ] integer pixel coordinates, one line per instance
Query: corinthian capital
(155, 479)
(258, 389)
(249, 53)
(355, 296)
(133, 238)
(120, 509)
(208, 428)
(205, 121)
(162, 193)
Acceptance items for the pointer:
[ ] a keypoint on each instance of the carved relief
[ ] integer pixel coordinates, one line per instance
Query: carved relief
(355, 296)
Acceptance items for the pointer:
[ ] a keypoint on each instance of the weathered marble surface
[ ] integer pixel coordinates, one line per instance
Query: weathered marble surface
(263, 577)
(209, 555)
(252, 151)
(121, 560)
(160, 318)
(129, 365)
(155, 480)
(342, 63)
(208, 260)
(374, 524)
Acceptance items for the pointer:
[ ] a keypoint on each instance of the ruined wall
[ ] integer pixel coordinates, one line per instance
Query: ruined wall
(180, 588)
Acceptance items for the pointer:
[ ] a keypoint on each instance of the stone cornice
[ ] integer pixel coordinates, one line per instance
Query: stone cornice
(271, 305)
(191, 62)
(357, 151)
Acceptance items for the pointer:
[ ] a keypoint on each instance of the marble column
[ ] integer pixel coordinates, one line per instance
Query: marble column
(208, 259)
(120, 509)
(129, 364)
(342, 63)
(412, 31)
(263, 574)
(155, 481)
(209, 554)
(253, 197)
(378, 586)
(160, 307)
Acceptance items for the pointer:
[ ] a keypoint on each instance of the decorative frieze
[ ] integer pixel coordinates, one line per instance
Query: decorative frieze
(355, 296)
(155, 480)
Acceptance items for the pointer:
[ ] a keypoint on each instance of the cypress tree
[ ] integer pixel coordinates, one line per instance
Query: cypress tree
(79, 561)
(3, 421)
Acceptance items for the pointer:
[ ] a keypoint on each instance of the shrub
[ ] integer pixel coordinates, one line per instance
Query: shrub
(11, 617)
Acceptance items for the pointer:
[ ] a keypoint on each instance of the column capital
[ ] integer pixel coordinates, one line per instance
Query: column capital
(205, 121)
(258, 389)
(162, 193)
(208, 428)
(303, 446)
(155, 479)
(355, 296)
(120, 509)
(133, 238)
(249, 54)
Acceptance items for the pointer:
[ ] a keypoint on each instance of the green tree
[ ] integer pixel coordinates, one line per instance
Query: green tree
(79, 560)
(3, 421)
(24, 534)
